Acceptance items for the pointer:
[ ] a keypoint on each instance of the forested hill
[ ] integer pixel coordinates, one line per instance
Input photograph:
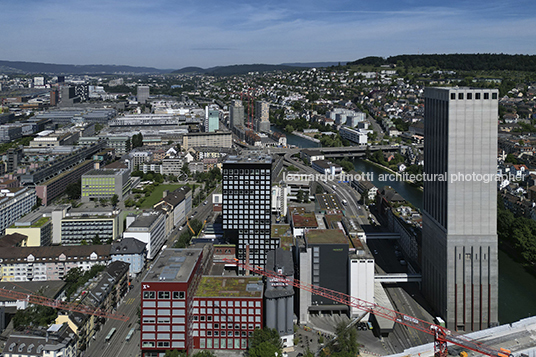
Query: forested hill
(458, 61)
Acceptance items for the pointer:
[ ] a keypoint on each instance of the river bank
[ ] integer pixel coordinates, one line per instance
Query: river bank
(302, 135)
(398, 174)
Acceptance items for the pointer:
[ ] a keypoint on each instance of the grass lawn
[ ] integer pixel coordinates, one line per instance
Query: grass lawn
(157, 194)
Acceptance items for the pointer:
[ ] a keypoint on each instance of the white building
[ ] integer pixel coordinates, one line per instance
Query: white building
(14, 203)
(149, 227)
(359, 136)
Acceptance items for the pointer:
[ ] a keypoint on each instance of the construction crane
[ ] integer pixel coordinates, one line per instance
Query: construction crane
(62, 305)
(442, 335)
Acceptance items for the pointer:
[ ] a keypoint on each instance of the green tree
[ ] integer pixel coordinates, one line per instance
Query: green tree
(300, 196)
(96, 240)
(264, 349)
(289, 128)
(186, 169)
(265, 343)
(114, 200)
(511, 159)
(74, 190)
(346, 343)
(175, 353)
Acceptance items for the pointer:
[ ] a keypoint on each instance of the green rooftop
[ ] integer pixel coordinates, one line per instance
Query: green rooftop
(326, 236)
(284, 234)
(224, 286)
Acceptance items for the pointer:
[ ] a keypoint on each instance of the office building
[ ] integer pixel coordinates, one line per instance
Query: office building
(226, 312)
(323, 261)
(262, 116)
(97, 184)
(149, 227)
(212, 120)
(167, 300)
(37, 228)
(49, 190)
(184, 309)
(143, 94)
(14, 203)
(247, 205)
(459, 247)
(218, 139)
(86, 226)
(236, 114)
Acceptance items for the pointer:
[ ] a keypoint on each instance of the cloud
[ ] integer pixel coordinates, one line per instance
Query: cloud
(170, 34)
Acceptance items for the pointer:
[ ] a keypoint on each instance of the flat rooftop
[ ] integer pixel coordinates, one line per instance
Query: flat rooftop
(144, 221)
(173, 265)
(284, 234)
(107, 172)
(226, 286)
(251, 158)
(306, 219)
(333, 221)
(326, 236)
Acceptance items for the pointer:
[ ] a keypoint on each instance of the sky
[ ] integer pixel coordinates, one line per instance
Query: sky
(172, 34)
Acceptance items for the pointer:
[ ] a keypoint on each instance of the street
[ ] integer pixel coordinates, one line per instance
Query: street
(117, 345)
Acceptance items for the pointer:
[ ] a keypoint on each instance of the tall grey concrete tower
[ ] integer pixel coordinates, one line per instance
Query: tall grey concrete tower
(236, 115)
(459, 246)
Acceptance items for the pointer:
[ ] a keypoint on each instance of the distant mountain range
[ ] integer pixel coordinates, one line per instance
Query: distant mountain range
(51, 68)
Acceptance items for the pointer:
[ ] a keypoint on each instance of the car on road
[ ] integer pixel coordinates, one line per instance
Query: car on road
(205, 203)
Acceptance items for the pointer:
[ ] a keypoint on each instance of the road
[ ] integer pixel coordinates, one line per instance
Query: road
(342, 190)
(117, 345)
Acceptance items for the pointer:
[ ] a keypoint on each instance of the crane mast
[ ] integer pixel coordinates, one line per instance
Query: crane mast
(62, 305)
(441, 335)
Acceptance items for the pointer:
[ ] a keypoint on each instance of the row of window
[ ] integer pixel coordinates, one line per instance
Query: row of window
(245, 171)
(224, 311)
(164, 295)
(222, 343)
(470, 96)
(204, 333)
(229, 303)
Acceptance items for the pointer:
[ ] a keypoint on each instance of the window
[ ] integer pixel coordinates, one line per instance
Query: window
(460, 95)
(469, 95)
(452, 95)
(163, 294)
(493, 95)
(477, 95)
(149, 294)
(179, 295)
(486, 95)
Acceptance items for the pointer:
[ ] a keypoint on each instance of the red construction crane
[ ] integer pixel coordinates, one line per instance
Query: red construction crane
(62, 305)
(442, 335)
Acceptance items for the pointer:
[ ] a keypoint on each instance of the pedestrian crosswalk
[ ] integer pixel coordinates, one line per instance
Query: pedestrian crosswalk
(130, 301)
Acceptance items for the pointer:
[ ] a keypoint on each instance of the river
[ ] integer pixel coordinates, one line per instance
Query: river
(296, 140)
(517, 287)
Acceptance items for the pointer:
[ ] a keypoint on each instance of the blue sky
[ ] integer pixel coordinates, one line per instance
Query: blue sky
(206, 33)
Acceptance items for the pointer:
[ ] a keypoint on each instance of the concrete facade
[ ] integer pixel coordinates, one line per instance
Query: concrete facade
(459, 249)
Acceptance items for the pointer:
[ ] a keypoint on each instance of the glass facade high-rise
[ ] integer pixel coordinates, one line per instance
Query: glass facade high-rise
(459, 246)
(246, 206)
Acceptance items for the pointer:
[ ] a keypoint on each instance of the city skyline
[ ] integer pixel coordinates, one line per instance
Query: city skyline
(165, 34)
